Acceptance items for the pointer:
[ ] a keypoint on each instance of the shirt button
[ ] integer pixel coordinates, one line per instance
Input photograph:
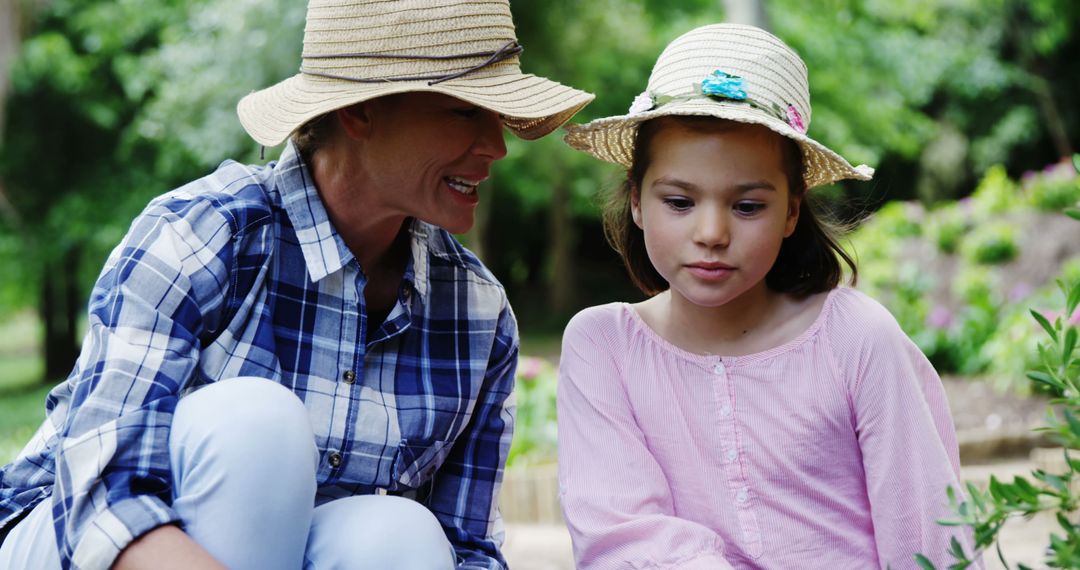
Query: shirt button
(743, 496)
(335, 459)
(725, 411)
(732, 454)
(348, 376)
(719, 368)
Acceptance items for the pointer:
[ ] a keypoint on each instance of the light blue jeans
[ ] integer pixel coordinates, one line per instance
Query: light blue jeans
(243, 463)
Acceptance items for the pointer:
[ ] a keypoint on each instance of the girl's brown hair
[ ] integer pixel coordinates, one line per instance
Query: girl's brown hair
(810, 258)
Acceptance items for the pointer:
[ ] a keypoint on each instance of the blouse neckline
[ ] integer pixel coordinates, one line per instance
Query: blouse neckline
(712, 359)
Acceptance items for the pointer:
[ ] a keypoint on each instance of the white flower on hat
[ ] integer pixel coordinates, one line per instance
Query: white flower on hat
(643, 102)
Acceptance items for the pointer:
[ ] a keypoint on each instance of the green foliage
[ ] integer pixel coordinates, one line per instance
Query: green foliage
(104, 116)
(535, 439)
(986, 511)
(947, 228)
(996, 193)
(1013, 347)
(948, 276)
(991, 244)
(67, 175)
(1055, 188)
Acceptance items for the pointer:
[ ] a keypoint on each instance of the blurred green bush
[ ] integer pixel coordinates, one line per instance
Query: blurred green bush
(991, 244)
(535, 439)
(950, 275)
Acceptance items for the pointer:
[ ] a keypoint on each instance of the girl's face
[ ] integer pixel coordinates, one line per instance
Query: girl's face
(714, 207)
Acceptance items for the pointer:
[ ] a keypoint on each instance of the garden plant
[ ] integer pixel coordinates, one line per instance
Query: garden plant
(986, 511)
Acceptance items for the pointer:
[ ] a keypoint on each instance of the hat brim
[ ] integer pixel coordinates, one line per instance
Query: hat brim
(612, 138)
(531, 106)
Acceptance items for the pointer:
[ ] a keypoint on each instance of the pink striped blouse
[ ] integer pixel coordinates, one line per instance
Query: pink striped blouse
(833, 450)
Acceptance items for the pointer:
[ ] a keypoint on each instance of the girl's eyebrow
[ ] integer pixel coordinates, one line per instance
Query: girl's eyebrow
(669, 181)
(755, 185)
(741, 188)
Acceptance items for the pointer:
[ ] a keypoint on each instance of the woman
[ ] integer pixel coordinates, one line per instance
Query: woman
(297, 364)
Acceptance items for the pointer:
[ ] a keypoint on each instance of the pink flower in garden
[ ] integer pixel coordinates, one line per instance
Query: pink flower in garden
(1053, 316)
(1019, 292)
(795, 119)
(530, 368)
(939, 318)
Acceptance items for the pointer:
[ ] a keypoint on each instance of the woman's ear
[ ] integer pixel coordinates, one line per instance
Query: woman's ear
(635, 205)
(355, 119)
(793, 215)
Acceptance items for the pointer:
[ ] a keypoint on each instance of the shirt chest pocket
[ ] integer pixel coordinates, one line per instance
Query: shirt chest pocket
(417, 461)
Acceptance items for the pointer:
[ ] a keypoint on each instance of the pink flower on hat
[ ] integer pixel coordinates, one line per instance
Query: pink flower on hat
(643, 102)
(795, 119)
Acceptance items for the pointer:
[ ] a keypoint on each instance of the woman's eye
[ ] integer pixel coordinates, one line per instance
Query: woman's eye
(678, 204)
(467, 112)
(749, 208)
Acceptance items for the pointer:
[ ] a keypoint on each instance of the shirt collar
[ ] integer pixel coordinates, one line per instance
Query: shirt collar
(323, 249)
(416, 272)
(322, 246)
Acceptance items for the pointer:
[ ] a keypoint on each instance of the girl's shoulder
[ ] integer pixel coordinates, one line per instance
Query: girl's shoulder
(608, 321)
(857, 321)
(852, 310)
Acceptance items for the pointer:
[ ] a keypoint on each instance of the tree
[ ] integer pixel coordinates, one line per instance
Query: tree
(9, 43)
(65, 113)
(747, 12)
(109, 116)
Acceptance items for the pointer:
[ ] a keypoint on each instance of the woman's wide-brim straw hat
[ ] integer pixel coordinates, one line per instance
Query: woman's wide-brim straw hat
(356, 50)
(730, 71)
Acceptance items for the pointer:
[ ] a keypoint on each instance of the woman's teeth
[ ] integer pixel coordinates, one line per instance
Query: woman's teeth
(461, 185)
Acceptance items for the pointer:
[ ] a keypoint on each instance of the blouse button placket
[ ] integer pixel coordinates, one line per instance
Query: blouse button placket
(738, 486)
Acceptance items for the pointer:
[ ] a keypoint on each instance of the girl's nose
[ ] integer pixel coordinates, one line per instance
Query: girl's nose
(712, 230)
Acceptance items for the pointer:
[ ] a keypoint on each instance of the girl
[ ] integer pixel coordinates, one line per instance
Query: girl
(750, 413)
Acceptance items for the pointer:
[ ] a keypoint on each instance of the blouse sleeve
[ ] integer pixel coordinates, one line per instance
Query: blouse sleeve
(908, 445)
(615, 496)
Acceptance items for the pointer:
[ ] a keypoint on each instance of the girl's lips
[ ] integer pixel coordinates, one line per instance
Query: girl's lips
(710, 265)
(710, 271)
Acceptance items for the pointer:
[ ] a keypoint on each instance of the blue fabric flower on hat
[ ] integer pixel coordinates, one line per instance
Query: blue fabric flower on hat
(723, 86)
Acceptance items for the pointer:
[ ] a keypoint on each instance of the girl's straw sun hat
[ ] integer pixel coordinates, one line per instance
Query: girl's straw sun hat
(729, 71)
(355, 50)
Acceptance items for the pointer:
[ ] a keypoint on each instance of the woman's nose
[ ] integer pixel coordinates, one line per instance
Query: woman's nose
(489, 139)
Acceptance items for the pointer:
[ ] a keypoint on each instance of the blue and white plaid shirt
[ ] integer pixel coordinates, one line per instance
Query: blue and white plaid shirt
(241, 274)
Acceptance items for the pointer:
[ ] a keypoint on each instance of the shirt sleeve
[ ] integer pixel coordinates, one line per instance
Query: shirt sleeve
(466, 489)
(113, 479)
(908, 444)
(615, 497)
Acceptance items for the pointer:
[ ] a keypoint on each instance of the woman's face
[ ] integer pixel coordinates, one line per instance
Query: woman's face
(428, 152)
(714, 209)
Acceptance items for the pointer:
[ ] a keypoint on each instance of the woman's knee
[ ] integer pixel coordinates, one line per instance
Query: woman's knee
(387, 532)
(242, 415)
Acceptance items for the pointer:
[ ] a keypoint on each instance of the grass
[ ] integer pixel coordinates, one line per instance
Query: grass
(22, 401)
(22, 392)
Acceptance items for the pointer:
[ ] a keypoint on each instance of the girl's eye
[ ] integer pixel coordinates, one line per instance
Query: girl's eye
(678, 204)
(748, 208)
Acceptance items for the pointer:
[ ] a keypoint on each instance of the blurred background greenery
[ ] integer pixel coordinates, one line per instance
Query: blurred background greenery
(967, 108)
